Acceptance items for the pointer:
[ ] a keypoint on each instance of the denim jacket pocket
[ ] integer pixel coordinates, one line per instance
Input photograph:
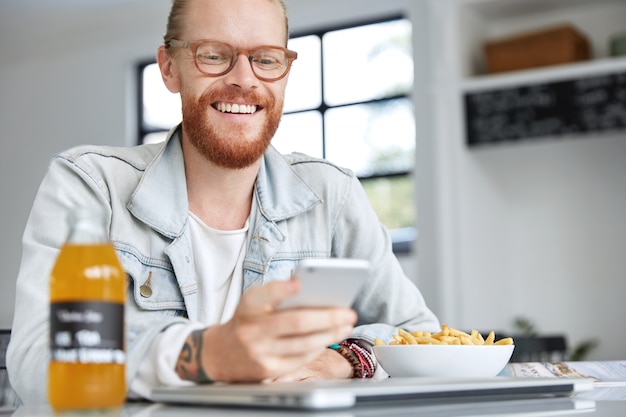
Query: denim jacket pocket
(153, 287)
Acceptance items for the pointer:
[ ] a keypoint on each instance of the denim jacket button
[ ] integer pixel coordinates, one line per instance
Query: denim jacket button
(145, 291)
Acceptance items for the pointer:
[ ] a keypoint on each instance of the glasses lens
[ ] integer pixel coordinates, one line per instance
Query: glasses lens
(269, 62)
(213, 58)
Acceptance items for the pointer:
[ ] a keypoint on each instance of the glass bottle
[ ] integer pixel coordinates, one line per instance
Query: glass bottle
(87, 294)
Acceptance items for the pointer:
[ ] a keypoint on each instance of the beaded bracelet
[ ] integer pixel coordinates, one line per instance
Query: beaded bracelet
(362, 361)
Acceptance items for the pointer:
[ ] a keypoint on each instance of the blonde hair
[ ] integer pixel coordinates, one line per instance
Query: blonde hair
(176, 21)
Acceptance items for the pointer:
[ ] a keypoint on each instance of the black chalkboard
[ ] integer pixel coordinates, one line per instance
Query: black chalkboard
(570, 107)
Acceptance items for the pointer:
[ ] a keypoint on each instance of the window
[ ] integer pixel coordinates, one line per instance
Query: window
(347, 100)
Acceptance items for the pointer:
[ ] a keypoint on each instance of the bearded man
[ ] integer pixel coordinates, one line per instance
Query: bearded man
(213, 221)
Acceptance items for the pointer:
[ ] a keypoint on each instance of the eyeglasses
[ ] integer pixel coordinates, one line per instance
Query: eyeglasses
(213, 58)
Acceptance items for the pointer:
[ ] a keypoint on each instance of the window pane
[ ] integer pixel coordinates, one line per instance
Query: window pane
(368, 62)
(372, 139)
(304, 89)
(392, 199)
(161, 109)
(300, 132)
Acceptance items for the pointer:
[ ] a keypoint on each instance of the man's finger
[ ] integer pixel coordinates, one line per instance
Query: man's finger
(302, 321)
(263, 299)
(312, 342)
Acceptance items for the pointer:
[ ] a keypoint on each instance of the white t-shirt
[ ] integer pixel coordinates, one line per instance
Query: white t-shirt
(218, 261)
(218, 256)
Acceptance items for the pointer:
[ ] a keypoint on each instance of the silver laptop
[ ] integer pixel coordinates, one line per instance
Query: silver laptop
(339, 394)
(555, 406)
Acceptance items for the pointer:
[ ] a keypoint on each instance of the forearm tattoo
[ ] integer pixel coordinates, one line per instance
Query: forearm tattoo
(189, 365)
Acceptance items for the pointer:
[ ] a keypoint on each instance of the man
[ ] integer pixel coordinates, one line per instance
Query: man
(213, 221)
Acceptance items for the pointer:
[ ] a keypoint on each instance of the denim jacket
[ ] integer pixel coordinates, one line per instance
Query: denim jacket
(302, 208)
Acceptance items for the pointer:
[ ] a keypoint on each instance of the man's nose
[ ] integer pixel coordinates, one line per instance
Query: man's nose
(242, 74)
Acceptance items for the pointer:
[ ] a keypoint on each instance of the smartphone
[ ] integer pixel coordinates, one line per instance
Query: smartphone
(331, 282)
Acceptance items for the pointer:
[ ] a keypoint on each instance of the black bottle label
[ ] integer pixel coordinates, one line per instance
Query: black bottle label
(87, 332)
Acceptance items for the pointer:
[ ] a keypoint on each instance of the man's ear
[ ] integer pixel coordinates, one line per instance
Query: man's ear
(168, 71)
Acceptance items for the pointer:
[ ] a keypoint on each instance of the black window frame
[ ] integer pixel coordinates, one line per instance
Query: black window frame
(323, 107)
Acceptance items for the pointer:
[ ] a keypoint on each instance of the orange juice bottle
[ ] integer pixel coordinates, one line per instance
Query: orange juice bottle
(87, 293)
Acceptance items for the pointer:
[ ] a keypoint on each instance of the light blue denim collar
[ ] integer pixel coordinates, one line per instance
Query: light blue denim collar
(160, 199)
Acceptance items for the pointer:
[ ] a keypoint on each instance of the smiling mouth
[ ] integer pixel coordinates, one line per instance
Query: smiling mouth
(235, 108)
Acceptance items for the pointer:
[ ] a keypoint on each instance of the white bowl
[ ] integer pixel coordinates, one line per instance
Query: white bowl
(443, 360)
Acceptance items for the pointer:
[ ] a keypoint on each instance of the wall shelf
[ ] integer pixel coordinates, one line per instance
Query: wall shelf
(594, 68)
(559, 100)
(486, 20)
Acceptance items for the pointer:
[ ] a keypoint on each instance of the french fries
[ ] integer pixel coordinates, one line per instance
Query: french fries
(447, 336)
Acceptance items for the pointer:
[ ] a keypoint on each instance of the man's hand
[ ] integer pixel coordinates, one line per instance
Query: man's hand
(329, 365)
(261, 343)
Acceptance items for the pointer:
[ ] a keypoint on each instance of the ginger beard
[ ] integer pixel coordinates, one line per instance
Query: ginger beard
(233, 148)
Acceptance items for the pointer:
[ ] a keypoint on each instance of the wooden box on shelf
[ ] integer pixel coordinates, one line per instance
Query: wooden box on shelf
(556, 45)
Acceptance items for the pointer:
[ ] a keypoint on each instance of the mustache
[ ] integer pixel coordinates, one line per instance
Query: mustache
(235, 94)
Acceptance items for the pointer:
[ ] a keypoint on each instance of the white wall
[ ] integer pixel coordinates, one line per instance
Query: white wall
(534, 229)
(543, 234)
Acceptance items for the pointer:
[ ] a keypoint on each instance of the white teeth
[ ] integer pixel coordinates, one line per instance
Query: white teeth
(236, 108)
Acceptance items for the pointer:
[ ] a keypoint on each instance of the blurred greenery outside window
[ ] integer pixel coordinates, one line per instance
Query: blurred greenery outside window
(347, 100)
